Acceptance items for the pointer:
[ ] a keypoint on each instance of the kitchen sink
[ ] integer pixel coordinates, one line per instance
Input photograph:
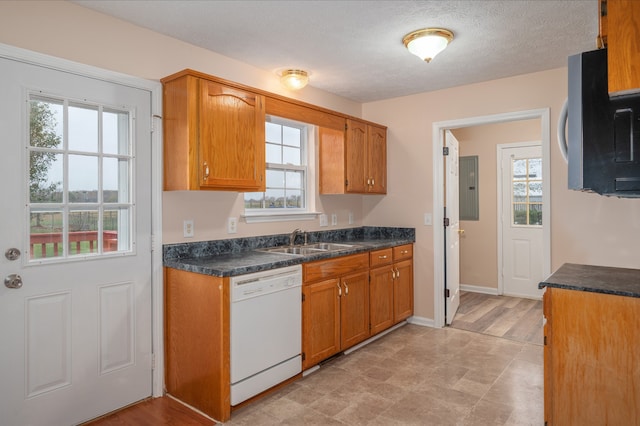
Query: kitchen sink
(299, 250)
(332, 246)
(302, 250)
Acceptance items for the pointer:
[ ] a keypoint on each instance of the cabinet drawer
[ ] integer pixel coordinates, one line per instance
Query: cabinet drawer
(323, 269)
(381, 257)
(403, 252)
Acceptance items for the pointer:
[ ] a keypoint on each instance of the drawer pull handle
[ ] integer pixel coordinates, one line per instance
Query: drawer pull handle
(404, 252)
(346, 289)
(393, 274)
(397, 273)
(382, 257)
(339, 290)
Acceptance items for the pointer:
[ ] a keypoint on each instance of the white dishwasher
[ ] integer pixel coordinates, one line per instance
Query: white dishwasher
(266, 330)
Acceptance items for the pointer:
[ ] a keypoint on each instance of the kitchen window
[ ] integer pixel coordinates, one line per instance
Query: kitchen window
(287, 175)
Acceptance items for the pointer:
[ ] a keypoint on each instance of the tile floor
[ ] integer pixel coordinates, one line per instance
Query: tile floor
(415, 376)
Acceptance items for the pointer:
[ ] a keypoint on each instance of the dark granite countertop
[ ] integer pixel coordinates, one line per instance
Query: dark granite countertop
(224, 258)
(596, 279)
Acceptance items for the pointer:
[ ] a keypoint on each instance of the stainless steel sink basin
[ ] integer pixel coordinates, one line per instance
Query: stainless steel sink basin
(299, 250)
(332, 246)
(302, 250)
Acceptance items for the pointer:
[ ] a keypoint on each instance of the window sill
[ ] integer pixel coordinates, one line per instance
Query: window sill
(278, 216)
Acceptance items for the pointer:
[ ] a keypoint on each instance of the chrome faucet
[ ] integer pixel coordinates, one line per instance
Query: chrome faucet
(294, 234)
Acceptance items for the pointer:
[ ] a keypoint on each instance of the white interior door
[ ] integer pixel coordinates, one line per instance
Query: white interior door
(452, 232)
(76, 179)
(521, 220)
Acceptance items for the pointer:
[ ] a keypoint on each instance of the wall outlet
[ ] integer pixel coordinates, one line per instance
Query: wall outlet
(334, 219)
(232, 225)
(187, 228)
(350, 218)
(428, 219)
(323, 220)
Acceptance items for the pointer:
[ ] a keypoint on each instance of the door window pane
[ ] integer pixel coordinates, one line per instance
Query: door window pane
(45, 177)
(526, 193)
(46, 233)
(83, 128)
(80, 201)
(83, 179)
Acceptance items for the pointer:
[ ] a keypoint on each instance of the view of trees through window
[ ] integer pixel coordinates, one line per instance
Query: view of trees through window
(86, 212)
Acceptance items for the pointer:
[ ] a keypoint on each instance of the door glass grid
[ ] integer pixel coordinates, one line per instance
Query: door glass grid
(526, 191)
(79, 184)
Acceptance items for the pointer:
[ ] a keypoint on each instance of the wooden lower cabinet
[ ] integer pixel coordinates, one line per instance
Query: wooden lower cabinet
(403, 291)
(381, 298)
(391, 287)
(341, 308)
(335, 307)
(591, 358)
(197, 361)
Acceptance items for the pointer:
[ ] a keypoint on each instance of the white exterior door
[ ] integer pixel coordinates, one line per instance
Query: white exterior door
(76, 183)
(521, 220)
(452, 232)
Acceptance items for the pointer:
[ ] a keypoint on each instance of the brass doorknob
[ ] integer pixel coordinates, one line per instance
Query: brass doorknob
(461, 231)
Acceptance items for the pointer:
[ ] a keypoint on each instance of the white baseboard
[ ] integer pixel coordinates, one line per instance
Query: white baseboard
(424, 322)
(479, 289)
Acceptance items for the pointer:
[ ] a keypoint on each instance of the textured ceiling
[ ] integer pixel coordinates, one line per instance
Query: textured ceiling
(354, 48)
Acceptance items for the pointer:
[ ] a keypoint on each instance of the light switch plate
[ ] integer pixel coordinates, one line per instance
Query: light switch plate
(323, 220)
(187, 228)
(334, 219)
(428, 219)
(350, 218)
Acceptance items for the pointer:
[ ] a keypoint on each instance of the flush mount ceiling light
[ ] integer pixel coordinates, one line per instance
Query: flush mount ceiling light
(428, 42)
(294, 79)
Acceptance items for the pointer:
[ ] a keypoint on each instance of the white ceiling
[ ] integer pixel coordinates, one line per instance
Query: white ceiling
(354, 48)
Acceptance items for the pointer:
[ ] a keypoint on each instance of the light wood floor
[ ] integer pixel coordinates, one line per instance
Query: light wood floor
(501, 316)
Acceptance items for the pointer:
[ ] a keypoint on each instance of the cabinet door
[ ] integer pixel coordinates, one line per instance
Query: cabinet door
(381, 289)
(623, 50)
(231, 140)
(355, 160)
(354, 308)
(320, 321)
(376, 159)
(403, 290)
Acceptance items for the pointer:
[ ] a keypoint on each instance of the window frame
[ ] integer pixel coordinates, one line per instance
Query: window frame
(307, 144)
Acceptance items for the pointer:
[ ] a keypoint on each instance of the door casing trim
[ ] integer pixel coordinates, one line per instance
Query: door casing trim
(437, 138)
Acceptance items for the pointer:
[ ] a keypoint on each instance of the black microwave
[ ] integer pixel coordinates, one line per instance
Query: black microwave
(603, 133)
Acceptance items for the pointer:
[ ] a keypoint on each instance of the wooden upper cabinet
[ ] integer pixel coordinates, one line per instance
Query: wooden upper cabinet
(353, 161)
(356, 161)
(214, 135)
(376, 159)
(622, 26)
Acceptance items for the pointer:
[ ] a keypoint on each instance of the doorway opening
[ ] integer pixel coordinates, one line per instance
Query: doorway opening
(439, 192)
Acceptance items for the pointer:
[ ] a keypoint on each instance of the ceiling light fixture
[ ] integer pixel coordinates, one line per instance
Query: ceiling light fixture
(428, 42)
(294, 79)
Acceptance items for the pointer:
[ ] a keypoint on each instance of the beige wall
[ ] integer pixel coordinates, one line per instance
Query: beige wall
(72, 32)
(585, 228)
(479, 243)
